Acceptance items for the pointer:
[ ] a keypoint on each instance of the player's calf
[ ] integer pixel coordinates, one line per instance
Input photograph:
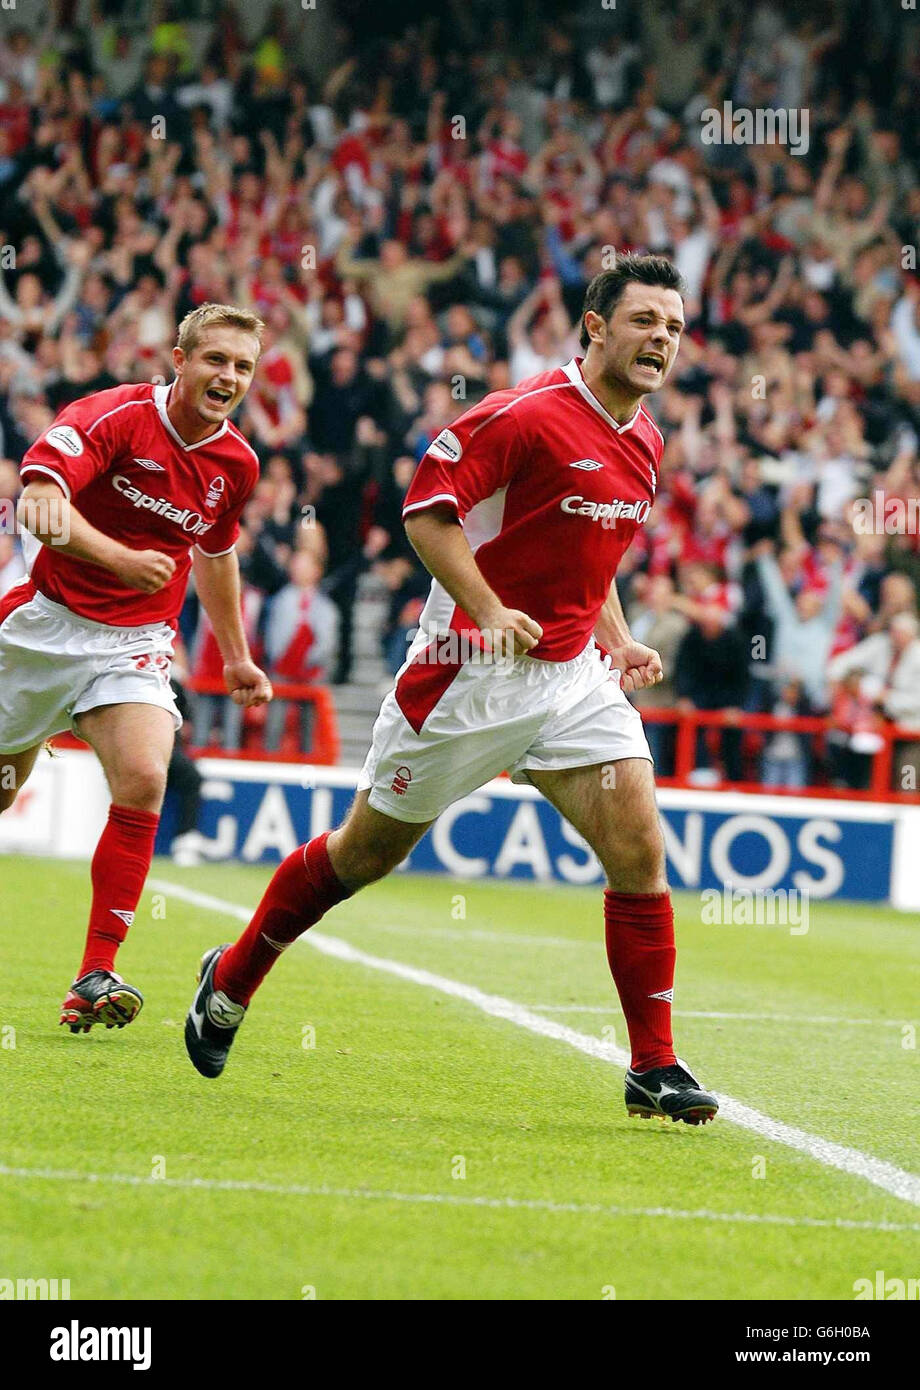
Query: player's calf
(369, 845)
(358, 864)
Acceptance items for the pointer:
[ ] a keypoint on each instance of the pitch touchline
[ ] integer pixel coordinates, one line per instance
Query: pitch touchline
(507, 938)
(401, 929)
(451, 1199)
(742, 1018)
(885, 1175)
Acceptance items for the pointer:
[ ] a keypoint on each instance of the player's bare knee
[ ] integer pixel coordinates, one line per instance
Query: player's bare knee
(141, 787)
(636, 860)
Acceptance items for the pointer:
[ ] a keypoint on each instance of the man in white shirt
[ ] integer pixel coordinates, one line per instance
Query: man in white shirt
(892, 661)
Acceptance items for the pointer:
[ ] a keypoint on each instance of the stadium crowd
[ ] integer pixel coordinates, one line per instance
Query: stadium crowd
(417, 225)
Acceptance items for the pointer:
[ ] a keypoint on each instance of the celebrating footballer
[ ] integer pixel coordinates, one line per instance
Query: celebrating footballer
(521, 511)
(126, 493)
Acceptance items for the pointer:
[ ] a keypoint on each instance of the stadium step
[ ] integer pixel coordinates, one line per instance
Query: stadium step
(355, 698)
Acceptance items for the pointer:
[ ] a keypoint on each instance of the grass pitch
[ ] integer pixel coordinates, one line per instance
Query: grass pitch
(375, 1137)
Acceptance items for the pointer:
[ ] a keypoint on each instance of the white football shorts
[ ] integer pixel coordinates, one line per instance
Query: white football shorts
(55, 666)
(446, 729)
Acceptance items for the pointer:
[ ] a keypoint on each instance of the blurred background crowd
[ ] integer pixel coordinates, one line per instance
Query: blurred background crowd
(414, 204)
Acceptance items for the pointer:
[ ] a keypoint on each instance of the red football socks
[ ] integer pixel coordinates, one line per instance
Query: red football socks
(119, 870)
(304, 887)
(640, 950)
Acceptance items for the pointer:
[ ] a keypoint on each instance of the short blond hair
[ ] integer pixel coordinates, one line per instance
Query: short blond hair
(216, 316)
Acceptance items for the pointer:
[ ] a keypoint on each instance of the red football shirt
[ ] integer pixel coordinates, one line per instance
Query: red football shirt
(550, 490)
(116, 454)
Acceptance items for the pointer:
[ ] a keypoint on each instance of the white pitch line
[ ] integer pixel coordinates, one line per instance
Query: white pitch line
(877, 1171)
(395, 928)
(740, 1017)
(450, 1199)
(506, 938)
(205, 900)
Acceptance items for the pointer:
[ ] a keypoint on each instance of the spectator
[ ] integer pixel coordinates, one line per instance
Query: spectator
(711, 665)
(334, 489)
(544, 345)
(896, 594)
(654, 620)
(804, 626)
(344, 395)
(397, 566)
(785, 758)
(300, 643)
(394, 278)
(853, 737)
(207, 664)
(890, 661)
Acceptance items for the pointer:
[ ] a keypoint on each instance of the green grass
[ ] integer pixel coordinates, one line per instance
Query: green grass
(403, 1081)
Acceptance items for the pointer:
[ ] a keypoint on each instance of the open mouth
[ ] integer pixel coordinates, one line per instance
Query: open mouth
(217, 396)
(650, 361)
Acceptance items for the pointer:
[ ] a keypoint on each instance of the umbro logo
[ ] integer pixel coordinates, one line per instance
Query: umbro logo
(587, 465)
(666, 994)
(126, 917)
(151, 465)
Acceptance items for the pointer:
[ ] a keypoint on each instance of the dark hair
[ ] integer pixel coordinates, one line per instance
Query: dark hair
(606, 288)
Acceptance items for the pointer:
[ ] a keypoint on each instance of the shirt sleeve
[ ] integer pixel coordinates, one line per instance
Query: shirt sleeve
(479, 454)
(74, 450)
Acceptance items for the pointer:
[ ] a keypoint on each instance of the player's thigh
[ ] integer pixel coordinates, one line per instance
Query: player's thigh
(14, 772)
(134, 743)
(612, 806)
(368, 844)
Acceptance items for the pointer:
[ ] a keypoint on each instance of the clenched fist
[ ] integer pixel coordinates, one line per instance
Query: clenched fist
(638, 665)
(247, 685)
(147, 570)
(508, 629)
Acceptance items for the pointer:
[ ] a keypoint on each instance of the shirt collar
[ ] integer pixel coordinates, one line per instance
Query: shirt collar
(160, 399)
(572, 370)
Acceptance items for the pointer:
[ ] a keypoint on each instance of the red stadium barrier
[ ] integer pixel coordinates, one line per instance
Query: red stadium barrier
(688, 722)
(326, 745)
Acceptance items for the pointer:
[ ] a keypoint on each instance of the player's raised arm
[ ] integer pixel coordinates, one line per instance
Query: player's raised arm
(440, 544)
(50, 516)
